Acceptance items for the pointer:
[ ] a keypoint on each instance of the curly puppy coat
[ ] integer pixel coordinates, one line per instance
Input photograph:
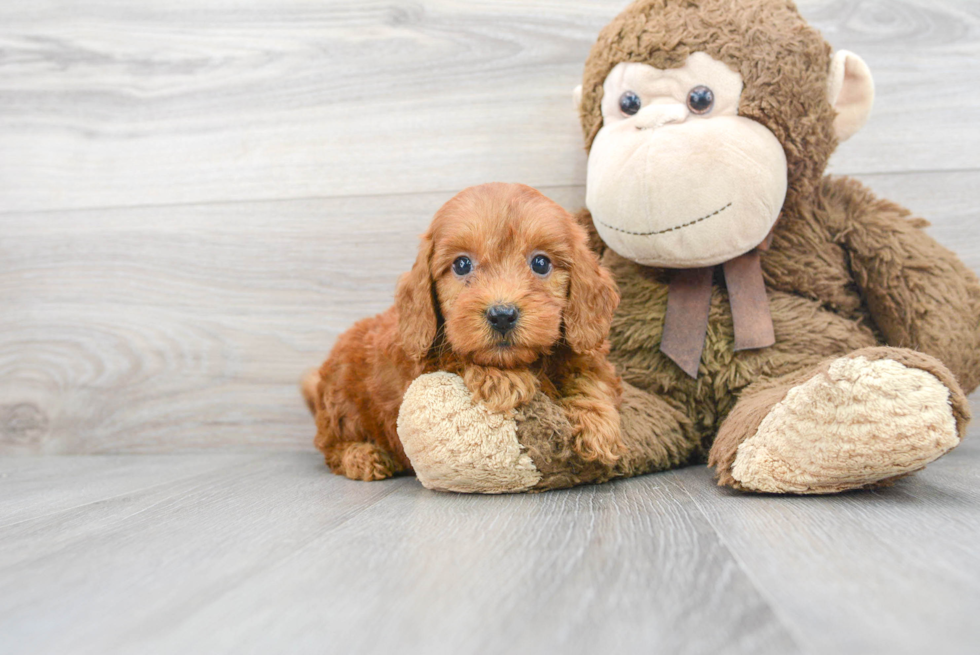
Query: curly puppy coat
(506, 293)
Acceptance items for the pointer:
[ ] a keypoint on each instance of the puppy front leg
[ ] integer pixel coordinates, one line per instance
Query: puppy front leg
(501, 390)
(591, 393)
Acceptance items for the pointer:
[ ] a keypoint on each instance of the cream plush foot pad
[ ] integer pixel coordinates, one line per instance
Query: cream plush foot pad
(860, 422)
(457, 445)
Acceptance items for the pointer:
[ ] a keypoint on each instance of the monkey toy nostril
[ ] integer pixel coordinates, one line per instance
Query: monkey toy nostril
(502, 318)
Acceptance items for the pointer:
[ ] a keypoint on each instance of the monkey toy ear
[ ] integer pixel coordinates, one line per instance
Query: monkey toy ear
(851, 91)
(577, 97)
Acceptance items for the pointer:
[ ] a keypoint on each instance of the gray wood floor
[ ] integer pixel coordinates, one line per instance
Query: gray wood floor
(265, 552)
(197, 197)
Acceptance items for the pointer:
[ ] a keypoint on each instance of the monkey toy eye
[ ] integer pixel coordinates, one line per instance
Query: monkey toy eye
(462, 266)
(629, 103)
(540, 264)
(700, 100)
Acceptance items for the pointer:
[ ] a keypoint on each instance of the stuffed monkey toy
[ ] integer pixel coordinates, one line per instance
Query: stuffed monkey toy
(794, 331)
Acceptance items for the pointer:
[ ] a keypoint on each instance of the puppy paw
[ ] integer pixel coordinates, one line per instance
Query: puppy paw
(597, 435)
(362, 461)
(500, 390)
(456, 444)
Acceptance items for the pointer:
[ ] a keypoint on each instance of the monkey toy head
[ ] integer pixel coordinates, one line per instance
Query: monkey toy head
(704, 118)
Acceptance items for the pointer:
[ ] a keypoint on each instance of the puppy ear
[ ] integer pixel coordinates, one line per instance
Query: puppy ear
(592, 298)
(416, 309)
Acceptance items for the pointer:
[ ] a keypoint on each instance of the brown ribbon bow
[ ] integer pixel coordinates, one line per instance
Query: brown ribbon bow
(689, 299)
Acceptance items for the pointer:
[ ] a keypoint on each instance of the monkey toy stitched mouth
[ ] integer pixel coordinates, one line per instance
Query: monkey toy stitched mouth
(670, 136)
(669, 229)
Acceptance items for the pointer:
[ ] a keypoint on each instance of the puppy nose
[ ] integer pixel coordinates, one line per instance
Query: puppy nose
(503, 318)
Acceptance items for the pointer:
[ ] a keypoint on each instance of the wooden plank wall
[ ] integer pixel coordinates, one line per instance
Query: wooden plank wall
(197, 197)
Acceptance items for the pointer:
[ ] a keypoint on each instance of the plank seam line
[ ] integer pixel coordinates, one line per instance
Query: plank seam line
(394, 194)
(129, 492)
(266, 566)
(256, 201)
(790, 626)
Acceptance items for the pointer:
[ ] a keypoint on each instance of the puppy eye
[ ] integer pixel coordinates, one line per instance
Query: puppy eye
(541, 265)
(629, 103)
(700, 100)
(462, 266)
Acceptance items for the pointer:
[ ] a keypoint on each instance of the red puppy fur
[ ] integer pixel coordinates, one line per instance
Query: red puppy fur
(506, 293)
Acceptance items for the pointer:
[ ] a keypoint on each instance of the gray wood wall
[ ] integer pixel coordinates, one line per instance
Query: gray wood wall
(197, 197)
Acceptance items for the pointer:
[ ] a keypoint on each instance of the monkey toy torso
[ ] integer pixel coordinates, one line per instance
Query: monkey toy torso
(841, 356)
(819, 313)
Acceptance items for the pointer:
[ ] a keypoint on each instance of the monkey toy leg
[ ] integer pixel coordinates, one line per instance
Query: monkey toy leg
(856, 421)
(455, 444)
(853, 421)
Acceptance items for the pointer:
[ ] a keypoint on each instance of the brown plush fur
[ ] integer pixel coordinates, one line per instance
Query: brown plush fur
(656, 437)
(846, 271)
(783, 61)
(439, 322)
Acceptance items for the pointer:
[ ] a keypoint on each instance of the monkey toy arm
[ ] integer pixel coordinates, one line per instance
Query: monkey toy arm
(455, 444)
(919, 294)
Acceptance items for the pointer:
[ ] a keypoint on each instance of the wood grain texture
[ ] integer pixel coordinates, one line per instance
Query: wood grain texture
(260, 553)
(273, 554)
(109, 103)
(892, 571)
(181, 234)
(185, 328)
(41, 487)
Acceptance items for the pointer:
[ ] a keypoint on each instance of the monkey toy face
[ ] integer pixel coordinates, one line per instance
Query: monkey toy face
(676, 177)
(697, 138)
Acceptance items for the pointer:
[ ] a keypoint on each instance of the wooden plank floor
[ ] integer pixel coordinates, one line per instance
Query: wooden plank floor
(197, 197)
(267, 552)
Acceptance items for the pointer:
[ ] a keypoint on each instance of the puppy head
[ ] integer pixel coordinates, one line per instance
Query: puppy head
(509, 273)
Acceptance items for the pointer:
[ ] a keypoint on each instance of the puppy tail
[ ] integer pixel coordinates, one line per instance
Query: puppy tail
(308, 385)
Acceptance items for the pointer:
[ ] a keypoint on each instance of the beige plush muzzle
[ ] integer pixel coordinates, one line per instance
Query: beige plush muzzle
(676, 185)
(688, 194)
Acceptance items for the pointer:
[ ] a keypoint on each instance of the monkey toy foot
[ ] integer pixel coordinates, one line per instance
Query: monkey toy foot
(455, 444)
(852, 422)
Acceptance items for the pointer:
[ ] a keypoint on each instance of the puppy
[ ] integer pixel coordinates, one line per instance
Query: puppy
(506, 293)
